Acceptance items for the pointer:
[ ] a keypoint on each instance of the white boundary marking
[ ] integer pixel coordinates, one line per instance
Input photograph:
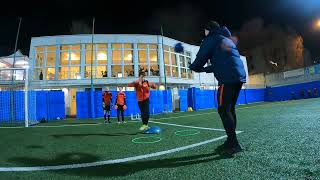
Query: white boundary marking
(193, 127)
(115, 161)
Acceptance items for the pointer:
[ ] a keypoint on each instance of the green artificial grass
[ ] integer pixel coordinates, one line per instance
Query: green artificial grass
(281, 141)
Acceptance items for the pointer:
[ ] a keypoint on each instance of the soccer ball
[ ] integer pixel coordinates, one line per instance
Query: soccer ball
(178, 48)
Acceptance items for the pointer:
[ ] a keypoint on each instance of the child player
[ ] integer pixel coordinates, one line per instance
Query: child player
(120, 104)
(106, 102)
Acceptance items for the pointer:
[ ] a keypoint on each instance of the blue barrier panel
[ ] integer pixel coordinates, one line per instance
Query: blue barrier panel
(255, 95)
(295, 91)
(209, 99)
(56, 105)
(19, 106)
(156, 102)
(82, 100)
(167, 100)
(203, 99)
(42, 110)
(98, 104)
(5, 100)
(242, 97)
(132, 104)
(183, 100)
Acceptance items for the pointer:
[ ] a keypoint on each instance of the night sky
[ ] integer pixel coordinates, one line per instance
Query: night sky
(182, 20)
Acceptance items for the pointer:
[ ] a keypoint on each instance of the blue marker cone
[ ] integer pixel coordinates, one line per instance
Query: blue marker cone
(153, 130)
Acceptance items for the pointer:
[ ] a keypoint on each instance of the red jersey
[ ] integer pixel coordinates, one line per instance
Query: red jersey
(142, 90)
(107, 97)
(121, 99)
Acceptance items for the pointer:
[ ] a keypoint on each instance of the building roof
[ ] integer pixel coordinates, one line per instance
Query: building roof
(20, 60)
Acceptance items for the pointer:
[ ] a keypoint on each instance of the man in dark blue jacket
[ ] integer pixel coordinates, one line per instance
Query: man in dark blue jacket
(229, 70)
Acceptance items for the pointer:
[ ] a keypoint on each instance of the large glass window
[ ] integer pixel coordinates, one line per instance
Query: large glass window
(51, 59)
(116, 71)
(128, 70)
(188, 60)
(39, 57)
(167, 62)
(175, 72)
(63, 72)
(99, 54)
(116, 57)
(50, 73)
(142, 56)
(102, 72)
(183, 66)
(102, 57)
(69, 67)
(75, 72)
(75, 58)
(64, 59)
(153, 57)
(154, 66)
(128, 61)
(39, 60)
(37, 72)
(48, 68)
(154, 70)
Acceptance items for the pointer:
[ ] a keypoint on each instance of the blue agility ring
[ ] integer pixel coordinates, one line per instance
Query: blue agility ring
(156, 139)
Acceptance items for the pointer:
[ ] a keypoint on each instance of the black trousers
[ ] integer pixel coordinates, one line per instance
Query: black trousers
(144, 109)
(227, 98)
(120, 110)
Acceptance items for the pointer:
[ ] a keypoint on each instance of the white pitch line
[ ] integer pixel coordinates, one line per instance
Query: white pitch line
(115, 161)
(193, 127)
(66, 125)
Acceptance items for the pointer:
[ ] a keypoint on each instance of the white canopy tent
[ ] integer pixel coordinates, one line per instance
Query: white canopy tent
(22, 61)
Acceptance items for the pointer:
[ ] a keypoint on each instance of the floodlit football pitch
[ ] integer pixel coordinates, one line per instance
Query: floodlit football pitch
(281, 141)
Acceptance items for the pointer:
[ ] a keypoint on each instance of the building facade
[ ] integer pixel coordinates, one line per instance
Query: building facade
(73, 62)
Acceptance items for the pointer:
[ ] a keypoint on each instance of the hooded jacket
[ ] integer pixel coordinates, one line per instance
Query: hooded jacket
(224, 55)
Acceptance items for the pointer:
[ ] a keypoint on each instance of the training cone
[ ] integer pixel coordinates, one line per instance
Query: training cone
(153, 130)
(190, 109)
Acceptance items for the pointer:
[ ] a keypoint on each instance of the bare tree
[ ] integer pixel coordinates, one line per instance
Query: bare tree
(263, 44)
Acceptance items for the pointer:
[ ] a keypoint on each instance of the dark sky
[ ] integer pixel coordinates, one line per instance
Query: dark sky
(182, 20)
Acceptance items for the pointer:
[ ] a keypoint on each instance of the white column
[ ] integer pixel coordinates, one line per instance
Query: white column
(82, 60)
(32, 60)
(109, 59)
(148, 59)
(178, 62)
(69, 63)
(160, 58)
(44, 64)
(136, 60)
(122, 59)
(56, 75)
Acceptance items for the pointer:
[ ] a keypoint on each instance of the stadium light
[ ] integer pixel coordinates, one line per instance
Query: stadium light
(318, 23)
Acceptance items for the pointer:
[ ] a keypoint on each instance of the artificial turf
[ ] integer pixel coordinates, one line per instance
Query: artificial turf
(281, 141)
